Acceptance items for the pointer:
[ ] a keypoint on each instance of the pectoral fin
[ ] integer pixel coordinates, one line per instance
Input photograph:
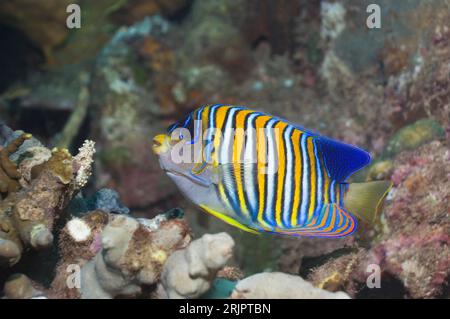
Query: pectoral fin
(226, 172)
(198, 168)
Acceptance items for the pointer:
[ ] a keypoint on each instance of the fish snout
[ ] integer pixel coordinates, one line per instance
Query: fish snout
(160, 144)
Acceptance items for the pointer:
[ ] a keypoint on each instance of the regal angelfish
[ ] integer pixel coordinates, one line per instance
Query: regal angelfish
(261, 173)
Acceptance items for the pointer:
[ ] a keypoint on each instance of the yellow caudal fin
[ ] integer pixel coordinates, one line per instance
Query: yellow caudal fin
(365, 200)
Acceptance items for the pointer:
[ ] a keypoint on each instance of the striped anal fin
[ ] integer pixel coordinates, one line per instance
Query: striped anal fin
(331, 221)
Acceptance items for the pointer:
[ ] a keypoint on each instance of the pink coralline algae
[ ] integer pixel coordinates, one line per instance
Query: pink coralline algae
(416, 226)
(96, 244)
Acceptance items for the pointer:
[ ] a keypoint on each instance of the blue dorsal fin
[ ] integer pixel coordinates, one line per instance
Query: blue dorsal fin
(341, 160)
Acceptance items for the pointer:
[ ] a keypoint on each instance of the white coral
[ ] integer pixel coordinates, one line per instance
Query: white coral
(277, 285)
(78, 229)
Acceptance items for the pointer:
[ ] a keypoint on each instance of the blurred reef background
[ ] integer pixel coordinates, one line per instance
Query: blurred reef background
(136, 66)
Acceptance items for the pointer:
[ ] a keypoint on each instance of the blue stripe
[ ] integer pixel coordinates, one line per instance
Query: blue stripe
(252, 170)
(226, 157)
(305, 181)
(269, 213)
(200, 112)
(329, 217)
(332, 194)
(289, 180)
(319, 177)
(339, 216)
(209, 143)
(187, 120)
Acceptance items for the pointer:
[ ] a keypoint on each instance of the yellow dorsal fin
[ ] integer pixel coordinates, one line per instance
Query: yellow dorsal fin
(228, 219)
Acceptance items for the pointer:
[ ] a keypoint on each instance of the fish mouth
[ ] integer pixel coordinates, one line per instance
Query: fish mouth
(160, 144)
(156, 143)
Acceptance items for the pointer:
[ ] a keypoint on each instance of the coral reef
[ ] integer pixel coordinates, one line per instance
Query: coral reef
(42, 24)
(9, 174)
(117, 255)
(188, 273)
(35, 194)
(105, 199)
(295, 252)
(271, 21)
(130, 12)
(412, 136)
(415, 226)
(127, 112)
(19, 286)
(136, 66)
(108, 201)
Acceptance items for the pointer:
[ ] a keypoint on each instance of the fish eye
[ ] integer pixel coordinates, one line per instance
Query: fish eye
(187, 123)
(179, 134)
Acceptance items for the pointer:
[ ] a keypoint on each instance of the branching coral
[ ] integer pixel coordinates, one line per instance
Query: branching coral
(84, 159)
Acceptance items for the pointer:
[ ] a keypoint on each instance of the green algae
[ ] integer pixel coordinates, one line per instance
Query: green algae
(412, 136)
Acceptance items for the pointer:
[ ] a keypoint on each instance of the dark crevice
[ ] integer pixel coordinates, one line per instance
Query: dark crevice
(445, 293)
(44, 124)
(180, 15)
(390, 288)
(260, 40)
(17, 57)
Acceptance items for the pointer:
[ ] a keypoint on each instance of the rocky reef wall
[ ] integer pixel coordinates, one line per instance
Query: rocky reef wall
(136, 66)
